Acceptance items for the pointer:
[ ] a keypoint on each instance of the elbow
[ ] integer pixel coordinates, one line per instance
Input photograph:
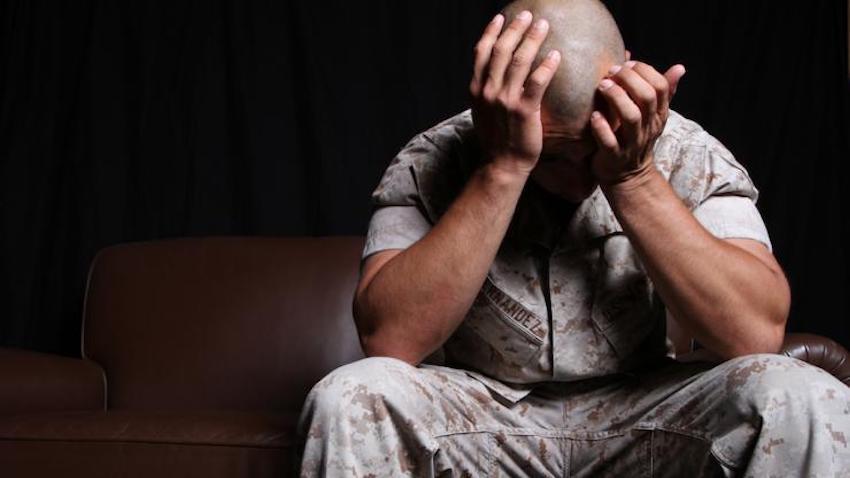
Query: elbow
(767, 331)
(766, 339)
(376, 345)
(376, 340)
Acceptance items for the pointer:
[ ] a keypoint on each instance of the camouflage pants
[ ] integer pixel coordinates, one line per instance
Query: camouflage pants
(760, 415)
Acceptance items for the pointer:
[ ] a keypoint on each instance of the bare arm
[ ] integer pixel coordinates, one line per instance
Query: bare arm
(731, 295)
(409, 302)
(408, 307)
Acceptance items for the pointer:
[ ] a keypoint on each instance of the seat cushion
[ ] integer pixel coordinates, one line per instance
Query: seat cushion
(144, 444)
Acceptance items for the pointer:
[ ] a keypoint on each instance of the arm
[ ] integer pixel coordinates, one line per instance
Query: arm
(731, 295)
(409, 302)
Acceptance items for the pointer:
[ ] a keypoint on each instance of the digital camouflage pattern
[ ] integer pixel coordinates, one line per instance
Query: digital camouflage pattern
(756, 416)
(560, 367)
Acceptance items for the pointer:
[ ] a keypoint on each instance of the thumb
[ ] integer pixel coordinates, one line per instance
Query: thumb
(673, 75)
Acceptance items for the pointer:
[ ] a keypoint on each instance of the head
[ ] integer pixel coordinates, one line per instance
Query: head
(590, 43)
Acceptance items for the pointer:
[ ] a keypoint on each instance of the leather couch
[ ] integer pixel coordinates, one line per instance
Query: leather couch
(196, 357)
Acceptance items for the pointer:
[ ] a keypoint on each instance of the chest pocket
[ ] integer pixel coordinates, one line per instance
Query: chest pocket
(624, 307)
(507, 326)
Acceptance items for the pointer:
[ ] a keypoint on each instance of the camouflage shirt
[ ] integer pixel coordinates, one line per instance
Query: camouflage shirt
(566, 297)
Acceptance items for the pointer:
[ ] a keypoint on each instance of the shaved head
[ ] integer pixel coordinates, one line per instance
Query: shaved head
(589, 41)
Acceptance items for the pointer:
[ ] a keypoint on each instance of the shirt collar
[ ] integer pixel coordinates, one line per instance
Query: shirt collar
(593, 220)
(544, 220)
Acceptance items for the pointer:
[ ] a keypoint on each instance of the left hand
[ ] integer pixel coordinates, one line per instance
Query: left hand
(638, 98)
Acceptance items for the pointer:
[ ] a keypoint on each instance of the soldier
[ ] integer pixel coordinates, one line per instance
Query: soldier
(521, 263)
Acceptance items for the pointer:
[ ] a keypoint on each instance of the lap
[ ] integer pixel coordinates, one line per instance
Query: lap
(441, 400)
(677, 414)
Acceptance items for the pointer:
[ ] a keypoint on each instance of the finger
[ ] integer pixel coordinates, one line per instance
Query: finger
(658, 81)
(605, 137)
(628, 55)
(673, 75)
(524, 56)
(538, 81)
(641, 92)
(483, 50)
(623, 106)
(503, 50)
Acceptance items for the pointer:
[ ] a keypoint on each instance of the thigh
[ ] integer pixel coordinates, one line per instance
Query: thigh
(381, 410)
(754, 407)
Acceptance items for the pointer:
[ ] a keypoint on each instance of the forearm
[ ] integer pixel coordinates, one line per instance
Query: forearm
(727, 298)
(420, 296)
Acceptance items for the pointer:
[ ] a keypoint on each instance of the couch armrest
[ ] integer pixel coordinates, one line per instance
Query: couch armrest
(821, 352)
(34, 382)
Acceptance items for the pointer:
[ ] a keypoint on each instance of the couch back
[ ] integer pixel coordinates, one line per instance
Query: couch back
(221, 323)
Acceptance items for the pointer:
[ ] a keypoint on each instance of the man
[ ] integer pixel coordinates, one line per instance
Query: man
(530, 252)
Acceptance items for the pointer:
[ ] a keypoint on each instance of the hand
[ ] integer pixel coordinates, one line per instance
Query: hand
(638, 98)
(505, 97)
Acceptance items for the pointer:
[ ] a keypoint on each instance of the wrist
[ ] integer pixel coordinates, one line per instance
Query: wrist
(633, 182)
(496, 173)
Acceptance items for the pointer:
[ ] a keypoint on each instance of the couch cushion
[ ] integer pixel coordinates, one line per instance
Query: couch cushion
(130, 444)
(34, 381)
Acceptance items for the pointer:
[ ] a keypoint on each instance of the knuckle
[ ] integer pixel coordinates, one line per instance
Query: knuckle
(536, 80)
(535, 35)
(516, 25)
(501, 49)
(504, 100)
(648, 97)
(633, 116)
(518, 113)
(520, 59)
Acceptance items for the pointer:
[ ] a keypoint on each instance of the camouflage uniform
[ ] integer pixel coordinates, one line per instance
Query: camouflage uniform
(561, 367)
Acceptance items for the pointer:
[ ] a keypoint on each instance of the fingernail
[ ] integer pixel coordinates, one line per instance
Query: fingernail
(615, 69)
(630, 64)
(605, 84)
(524, 15)
(595, 115)
(541, 25)
(497, 18)
(554, 55)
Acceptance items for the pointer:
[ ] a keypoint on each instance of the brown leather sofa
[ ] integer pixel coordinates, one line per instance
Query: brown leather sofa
(197, 355)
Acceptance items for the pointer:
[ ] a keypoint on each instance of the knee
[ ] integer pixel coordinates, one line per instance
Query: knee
(772, 383)
(349, 388)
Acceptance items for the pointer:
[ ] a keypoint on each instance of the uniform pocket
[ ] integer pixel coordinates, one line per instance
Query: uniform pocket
(622, 454)
(519, 454)
(511, 329)
(624, 308)
(676, 454)
(552, 453)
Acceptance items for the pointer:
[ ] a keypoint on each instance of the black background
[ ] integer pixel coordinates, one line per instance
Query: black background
(126, 121)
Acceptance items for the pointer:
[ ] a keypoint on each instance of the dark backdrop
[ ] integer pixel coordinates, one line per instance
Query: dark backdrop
(125, 121)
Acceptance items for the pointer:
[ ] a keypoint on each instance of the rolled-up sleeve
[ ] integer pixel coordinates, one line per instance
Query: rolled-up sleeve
(405, 203)
(733, 217)
(394, 227)
(397, 218)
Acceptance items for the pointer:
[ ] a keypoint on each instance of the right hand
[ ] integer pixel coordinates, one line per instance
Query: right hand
(507, 95)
